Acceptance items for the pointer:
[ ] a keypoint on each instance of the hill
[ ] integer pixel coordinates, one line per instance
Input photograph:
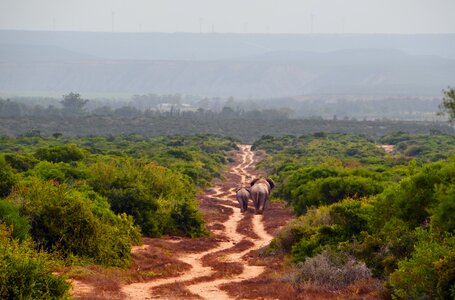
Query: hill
(276, 74)
(240, 65)
(216, 46)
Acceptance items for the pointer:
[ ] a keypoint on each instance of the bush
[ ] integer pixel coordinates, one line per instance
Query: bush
(350, 217)
(70, 222)
(444, 212)
(417, 196)
(300, 228)
(427, 271)
(60, 172)
(333, 270)
(10, 216)
(301, 176)
(26, 273)
(445, 270)
(21, 163)
(158, 198)
(63, 153)
(7, 179)
(333, 189)
(382, 250)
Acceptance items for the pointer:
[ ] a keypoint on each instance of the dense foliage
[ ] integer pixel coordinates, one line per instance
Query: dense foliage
(26, 273)
(393, 212)
(422, 147)
(87, 200)
(247, 129)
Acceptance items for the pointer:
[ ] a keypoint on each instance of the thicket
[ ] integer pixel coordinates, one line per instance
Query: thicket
(88, 200)
(422, 147)
(26, 273)
(246, 129)
(395, 213)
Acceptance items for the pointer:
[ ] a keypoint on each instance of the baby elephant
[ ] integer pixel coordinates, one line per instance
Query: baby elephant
(243, 195)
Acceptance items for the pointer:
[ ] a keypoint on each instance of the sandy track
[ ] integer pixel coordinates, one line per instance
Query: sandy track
(198, 279)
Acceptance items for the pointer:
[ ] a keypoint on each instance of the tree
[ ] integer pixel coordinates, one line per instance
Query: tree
(448, 104)
(73, 104)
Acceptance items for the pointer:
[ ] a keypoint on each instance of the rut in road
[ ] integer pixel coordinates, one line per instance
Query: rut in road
(199, 279)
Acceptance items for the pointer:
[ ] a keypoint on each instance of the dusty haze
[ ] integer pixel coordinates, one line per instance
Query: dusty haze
(238, 16)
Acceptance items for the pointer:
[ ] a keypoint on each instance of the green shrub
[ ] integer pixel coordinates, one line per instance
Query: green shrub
(382, 251)
(443, 214)
(68, 221)
(7, 179)
(63, 153)
(158, 198)
(21, 163)
(350, 217)
(180, 154)
(10, 215)
(26, 273)
(445, 270)
(427, 271)
(321, 237)
(333, 189)
(416, 196)
(302, 227)
(60, 172)
(301, 176)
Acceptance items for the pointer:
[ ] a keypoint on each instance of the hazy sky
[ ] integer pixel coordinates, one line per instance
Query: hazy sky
(274, 16)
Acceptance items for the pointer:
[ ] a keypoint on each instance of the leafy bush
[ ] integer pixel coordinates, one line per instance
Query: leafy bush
(414, 198)
(26, 273)
(63, 153)
(158, 198)
(423, 147)
(443, 214)
(287, 187)
(430, 272)
(68, 221)
(382, 251)
(21, 163)
(333, 189)
(315, 241)
(350, 217)
(60, 172)
(300, 228)
(7, 178)
(10, 216)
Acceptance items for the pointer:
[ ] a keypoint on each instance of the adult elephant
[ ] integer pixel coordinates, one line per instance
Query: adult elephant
(243, 195)
(260, 193)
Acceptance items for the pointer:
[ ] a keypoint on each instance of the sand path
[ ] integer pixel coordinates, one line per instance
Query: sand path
(206, 287)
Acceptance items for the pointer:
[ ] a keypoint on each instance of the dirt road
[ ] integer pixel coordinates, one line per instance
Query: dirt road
(205, 264)
(208, 288)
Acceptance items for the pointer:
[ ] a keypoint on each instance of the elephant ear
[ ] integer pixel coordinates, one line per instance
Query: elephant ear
(254, 181)
(271, 182)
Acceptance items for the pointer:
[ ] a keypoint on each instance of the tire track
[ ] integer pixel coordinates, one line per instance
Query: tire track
(205, 287)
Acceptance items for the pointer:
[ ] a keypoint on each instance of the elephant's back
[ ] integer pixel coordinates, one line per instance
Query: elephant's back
(243, 194)
(259, 188)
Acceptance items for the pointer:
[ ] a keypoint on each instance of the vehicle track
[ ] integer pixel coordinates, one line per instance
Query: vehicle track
(202, 280)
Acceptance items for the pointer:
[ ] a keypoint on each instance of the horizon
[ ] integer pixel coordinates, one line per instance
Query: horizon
(235, 16)
(347, 34)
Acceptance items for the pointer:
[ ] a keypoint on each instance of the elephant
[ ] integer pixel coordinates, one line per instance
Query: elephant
(243, 195)
(260, 192)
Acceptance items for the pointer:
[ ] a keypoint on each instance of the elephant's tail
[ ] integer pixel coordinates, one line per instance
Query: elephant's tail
(256, 199)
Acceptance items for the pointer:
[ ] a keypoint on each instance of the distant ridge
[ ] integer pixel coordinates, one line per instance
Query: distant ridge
(219, 46)
(240, 65)
(349, 72)
(22, 53)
